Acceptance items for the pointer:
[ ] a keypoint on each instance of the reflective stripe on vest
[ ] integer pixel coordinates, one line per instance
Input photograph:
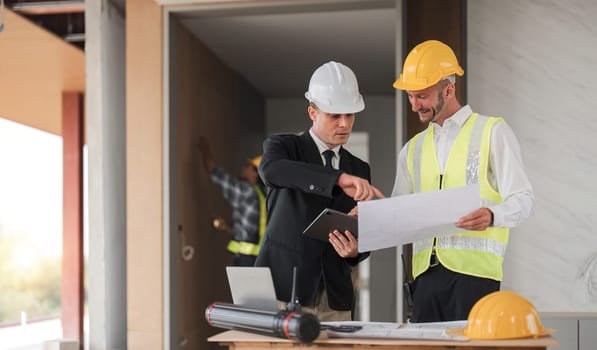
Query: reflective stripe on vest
(248, 248)
(477, 253)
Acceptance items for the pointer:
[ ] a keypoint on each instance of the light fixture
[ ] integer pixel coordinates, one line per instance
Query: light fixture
(75, 37)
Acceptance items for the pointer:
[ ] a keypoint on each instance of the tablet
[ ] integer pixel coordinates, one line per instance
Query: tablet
(329, 220)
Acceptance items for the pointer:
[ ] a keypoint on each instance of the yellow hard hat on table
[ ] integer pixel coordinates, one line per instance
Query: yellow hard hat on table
(426, 64)
(504, 315)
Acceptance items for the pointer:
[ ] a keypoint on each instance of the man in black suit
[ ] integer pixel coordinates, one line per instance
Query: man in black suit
(302, 183)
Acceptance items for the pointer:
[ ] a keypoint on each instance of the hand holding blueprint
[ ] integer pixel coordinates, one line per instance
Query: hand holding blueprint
(405, 219)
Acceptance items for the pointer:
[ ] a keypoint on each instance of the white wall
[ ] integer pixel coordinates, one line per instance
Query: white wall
(533, 62)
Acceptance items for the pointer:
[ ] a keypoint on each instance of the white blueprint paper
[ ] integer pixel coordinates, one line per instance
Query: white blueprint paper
(388, 330)
(395, 221)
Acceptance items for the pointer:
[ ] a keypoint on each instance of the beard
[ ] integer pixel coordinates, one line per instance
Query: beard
(434, 110)
(438, 107)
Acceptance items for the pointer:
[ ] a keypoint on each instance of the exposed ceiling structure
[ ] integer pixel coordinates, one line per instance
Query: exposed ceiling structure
(65, 18)
(37, 67)
(277, 49)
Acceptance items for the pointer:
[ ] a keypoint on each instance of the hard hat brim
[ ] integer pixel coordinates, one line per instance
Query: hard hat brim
(358, 107)
(401, 84)
(339, 107)
(462, 332)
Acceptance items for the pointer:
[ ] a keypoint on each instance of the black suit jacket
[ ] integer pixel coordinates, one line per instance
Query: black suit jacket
(299, 189)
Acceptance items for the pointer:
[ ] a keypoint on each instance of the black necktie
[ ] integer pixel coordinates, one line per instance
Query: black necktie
(328, 155)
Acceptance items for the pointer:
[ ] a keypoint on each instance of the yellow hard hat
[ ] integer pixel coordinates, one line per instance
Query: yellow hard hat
(504, 315)
(255, 161)
(428, 63)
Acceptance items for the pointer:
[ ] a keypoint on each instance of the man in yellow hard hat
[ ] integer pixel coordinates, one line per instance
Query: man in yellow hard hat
(459, 147)
(246, 196)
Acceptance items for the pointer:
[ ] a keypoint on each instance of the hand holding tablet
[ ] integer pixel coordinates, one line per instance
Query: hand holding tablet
(329, 220)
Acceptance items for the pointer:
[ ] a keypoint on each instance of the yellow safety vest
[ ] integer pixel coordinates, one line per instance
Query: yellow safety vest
(476, 253)
(248, 248)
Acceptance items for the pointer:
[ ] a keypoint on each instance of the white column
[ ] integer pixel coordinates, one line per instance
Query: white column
(105, 128)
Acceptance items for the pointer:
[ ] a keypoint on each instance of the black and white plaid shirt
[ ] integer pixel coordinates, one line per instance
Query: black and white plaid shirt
(245, 205)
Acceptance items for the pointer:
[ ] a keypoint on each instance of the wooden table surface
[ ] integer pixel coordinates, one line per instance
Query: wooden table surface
(250, 341)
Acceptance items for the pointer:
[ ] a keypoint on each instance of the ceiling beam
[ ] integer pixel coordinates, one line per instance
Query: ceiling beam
(49, 7)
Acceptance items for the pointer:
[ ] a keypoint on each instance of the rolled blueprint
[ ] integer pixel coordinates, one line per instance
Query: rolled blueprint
(282, 324)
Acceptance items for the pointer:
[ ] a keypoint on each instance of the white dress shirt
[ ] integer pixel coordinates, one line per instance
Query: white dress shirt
(323, 147)
(506, 172)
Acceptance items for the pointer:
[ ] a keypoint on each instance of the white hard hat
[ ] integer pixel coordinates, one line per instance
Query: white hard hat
(334, 89)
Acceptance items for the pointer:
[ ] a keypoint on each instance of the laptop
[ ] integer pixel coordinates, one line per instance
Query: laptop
(252, 287)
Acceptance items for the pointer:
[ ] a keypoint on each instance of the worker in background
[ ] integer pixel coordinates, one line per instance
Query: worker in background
(459, 147)
(247, 199)
(305, 174)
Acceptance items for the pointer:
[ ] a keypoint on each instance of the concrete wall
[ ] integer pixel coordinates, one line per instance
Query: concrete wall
(532, 62)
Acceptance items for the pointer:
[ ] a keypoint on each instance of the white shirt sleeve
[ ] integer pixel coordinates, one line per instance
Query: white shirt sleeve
(506, 174)
(402, 182)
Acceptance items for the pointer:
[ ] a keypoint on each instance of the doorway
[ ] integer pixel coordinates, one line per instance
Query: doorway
(238, 73)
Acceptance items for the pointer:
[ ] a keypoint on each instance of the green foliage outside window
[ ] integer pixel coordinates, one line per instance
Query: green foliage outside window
(29, 280)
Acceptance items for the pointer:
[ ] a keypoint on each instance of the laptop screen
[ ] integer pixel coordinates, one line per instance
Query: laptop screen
(252, 287)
